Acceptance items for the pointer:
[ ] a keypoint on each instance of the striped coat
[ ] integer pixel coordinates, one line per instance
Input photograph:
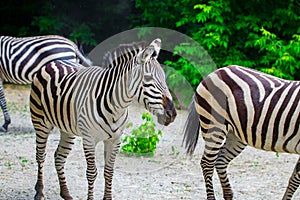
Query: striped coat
(21, 58)
(235, 107)
(93, 103)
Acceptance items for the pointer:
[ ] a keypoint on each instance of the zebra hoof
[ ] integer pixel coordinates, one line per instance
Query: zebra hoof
(3, 128)
(39, 196)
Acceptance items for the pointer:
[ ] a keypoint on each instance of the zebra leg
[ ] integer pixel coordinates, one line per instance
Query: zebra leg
(213, 143)
(41, 141)
(232, 148)
(91, 172)
(294, 182)
(4, 109)
(61, 154)
(111, 147)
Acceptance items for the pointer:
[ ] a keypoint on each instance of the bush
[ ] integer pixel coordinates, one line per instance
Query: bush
(143, 139)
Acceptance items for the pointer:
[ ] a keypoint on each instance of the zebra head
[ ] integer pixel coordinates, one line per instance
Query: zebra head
(152, 90)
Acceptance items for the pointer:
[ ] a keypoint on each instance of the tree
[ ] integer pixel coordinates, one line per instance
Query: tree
(259, 34)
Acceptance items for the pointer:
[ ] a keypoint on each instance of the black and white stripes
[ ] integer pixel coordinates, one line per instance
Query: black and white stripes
(92, 103)
(237, 107)
(21, 58)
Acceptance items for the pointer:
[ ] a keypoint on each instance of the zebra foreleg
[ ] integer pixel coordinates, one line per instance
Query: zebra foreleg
(91, 172)
(111, 147)
(213, 144)
(294, 182)
(4, 109)
(232, 148)
(41, 140)
(61, 154)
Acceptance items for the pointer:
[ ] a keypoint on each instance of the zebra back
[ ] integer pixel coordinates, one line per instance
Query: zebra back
(21, 58)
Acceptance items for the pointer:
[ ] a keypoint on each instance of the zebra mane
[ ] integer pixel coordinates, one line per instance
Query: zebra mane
(111, 58)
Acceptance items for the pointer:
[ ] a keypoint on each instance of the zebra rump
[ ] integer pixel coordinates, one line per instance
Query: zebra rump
(234, 107)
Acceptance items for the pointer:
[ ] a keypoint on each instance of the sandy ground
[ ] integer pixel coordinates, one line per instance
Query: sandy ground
(254, 175)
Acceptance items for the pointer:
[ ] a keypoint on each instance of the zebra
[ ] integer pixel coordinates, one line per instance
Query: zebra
(235, 107)
(22, 57)
(92, 103)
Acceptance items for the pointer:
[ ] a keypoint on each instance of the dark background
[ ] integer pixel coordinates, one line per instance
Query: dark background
(87, 22)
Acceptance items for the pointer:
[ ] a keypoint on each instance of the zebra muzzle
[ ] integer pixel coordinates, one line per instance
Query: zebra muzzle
(169, 113)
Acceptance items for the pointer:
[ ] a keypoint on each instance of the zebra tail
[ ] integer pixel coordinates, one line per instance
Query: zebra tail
(191, 130)
(84, 59)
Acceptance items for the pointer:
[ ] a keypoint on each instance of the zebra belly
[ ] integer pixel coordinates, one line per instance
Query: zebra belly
(99, 130)
(288, 143)
(7, 77)
(21, 77)
(101, 135)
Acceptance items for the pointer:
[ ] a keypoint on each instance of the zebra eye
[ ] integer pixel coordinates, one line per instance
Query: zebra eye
(148, 77)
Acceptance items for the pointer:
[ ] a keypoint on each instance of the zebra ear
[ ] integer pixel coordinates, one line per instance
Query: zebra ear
(150, 51)
(157, 45)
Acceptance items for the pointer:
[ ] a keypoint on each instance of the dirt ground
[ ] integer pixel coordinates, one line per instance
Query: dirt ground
(254, 175)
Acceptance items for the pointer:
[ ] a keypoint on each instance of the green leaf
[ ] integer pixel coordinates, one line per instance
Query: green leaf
(143, 139)
(130, 124)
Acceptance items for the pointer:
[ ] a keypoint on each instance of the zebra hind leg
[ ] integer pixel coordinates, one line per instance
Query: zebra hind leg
(213, 142)
(232, 148)
(294, 182)
(4, 109)
(111, 147)
(61, 154)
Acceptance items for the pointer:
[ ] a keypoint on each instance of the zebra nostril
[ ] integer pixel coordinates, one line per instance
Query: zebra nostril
(170, 110)
(169, 113)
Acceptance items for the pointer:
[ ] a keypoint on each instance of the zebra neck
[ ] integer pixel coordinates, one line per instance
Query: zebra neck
(135, 77)
(122, 97)
(114, 93)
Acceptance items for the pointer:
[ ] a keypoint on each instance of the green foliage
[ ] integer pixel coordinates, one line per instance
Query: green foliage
(184, 67)
(257, 34)
(143, 139)
(84, 34)
(193, 63)
(60, 25)
(216, 32)
(166, 13)
(281, 57)
(47, 25)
